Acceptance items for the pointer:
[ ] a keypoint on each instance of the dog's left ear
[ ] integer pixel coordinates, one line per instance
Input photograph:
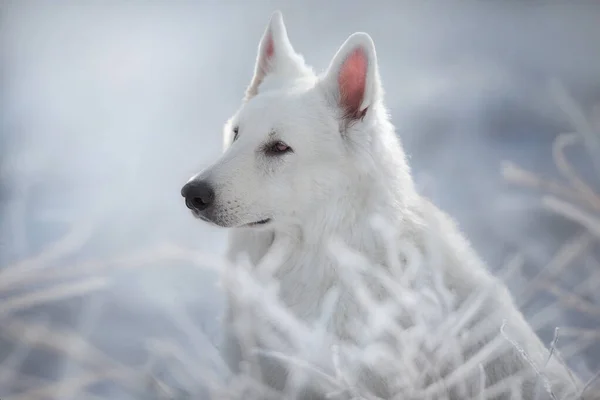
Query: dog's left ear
(352, 79)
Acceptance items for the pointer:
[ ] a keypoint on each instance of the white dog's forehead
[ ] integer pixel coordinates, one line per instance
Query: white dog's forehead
(260, 115)
(280, 112)
(264, 113)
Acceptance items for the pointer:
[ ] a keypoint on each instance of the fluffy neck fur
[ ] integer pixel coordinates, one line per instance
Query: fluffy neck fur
(377, 168)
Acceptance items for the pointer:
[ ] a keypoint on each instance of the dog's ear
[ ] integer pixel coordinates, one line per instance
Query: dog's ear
(352, 79)
(276, 56)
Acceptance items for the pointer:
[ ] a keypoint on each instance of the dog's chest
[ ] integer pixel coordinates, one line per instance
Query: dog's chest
(312, 287)
(305, 278)
(308, 278)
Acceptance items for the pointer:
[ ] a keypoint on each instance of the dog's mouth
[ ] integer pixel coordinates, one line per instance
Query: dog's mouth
(202, 217)
(196, 214)
(258, 223)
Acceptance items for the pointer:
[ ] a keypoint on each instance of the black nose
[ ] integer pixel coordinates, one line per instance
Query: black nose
(199, 195)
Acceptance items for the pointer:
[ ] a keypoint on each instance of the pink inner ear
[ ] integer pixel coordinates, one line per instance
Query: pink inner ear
(267, 55)
(270, 47)
(352, 80)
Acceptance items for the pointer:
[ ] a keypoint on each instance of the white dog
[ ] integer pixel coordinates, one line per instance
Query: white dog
(310, 157)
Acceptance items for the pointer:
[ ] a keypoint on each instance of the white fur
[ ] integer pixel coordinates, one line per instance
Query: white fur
(339, 174)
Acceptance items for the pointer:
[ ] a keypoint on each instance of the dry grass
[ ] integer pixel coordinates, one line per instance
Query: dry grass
(427, 361)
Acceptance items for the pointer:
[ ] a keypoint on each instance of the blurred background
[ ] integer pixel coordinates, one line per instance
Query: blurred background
(108, 107)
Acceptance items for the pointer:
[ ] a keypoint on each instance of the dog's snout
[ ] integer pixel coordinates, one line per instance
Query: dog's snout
(199, 195)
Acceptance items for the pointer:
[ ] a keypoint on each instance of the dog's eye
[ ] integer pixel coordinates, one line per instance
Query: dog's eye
(277, 148)
(236, 132)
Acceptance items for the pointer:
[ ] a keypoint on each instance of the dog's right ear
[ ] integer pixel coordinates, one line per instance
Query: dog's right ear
(276, 56)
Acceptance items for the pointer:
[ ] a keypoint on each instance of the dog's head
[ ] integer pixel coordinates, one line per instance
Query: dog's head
(293, 143)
